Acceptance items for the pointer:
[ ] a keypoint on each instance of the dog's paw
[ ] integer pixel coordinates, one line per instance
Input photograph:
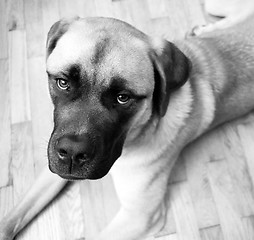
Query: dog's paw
(197, 30)
(222, 24)
(211, 27)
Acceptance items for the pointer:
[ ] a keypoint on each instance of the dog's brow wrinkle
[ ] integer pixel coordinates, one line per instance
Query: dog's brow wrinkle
(118, 83)
(100, 50)
(74, 72)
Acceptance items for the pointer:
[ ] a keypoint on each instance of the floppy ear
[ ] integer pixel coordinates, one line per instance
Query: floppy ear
(171, 71)
(56, 32)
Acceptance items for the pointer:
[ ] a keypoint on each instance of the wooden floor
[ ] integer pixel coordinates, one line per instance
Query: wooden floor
(211, 194)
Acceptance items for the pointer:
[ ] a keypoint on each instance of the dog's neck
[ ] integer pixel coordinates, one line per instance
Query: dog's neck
(156, 152)
(162, 131)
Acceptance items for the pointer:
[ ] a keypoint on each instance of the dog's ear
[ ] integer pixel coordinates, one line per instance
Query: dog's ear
(56, 32)
(171, 71)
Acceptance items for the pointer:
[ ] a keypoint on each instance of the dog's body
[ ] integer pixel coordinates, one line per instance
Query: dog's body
(169, 96)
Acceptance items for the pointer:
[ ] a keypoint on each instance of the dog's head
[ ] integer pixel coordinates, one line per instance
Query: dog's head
(105, 78)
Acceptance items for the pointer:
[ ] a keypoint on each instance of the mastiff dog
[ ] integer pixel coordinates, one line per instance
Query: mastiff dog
(129, 103)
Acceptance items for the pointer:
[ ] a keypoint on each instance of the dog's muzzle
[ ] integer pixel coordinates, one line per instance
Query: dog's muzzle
(83, 156)
(73, 156)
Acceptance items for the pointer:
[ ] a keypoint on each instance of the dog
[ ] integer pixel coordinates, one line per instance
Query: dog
(129, 103)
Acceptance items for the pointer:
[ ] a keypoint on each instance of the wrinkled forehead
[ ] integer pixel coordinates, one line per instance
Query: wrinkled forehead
(102, 51)
(73, 47)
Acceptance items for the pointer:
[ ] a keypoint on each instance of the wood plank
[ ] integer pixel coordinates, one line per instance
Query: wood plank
(6, 200)
(168, 237)
(140, 19)
(3, 31)
(245, 130)
(34, 28)
(179, 24)
(248, 224)
(183, 15)
(238, 170)
(22, 166)
(121, 11)
(157, 9)
(104, 8)
(77, 9)
(5, 125)
(72, 226)
(224, 195)
(89, 10)
(15, 14)
(50, 14)
(129, 11)
(41, 110)
(197, 159)
(19, 89)
(48, 224)
(183, 210)
(178, 21)
(211, 233)
(194, 13)
(162, 27)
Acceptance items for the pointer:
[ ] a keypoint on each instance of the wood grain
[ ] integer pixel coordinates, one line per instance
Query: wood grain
(3, 31)
(5, 125)
(211, 233)
(41, 108)
(210, 195)
(184, 213)
(15, 14)
(34, 28)
(19, 88)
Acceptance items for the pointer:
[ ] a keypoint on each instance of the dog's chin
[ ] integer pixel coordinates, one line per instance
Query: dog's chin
(93, 176)
(69, 177)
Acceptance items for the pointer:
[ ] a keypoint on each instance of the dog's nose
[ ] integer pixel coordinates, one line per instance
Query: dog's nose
(73, 150)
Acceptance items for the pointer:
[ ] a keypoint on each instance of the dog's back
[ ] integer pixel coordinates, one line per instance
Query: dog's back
(236, 47)
(226, 60)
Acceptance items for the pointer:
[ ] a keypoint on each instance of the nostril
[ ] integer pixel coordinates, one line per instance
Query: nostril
(81, 157)
(63, 156)
(73, 150)
(62, 153)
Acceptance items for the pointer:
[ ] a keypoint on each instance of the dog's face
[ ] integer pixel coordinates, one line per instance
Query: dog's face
(102, 83)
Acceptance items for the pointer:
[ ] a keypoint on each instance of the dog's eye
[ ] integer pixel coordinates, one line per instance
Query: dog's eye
(62, 84)
(123, 98)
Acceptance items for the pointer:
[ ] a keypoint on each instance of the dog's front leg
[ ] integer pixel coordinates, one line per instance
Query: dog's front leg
(45, 188)
(132, 225)
(141, 191)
